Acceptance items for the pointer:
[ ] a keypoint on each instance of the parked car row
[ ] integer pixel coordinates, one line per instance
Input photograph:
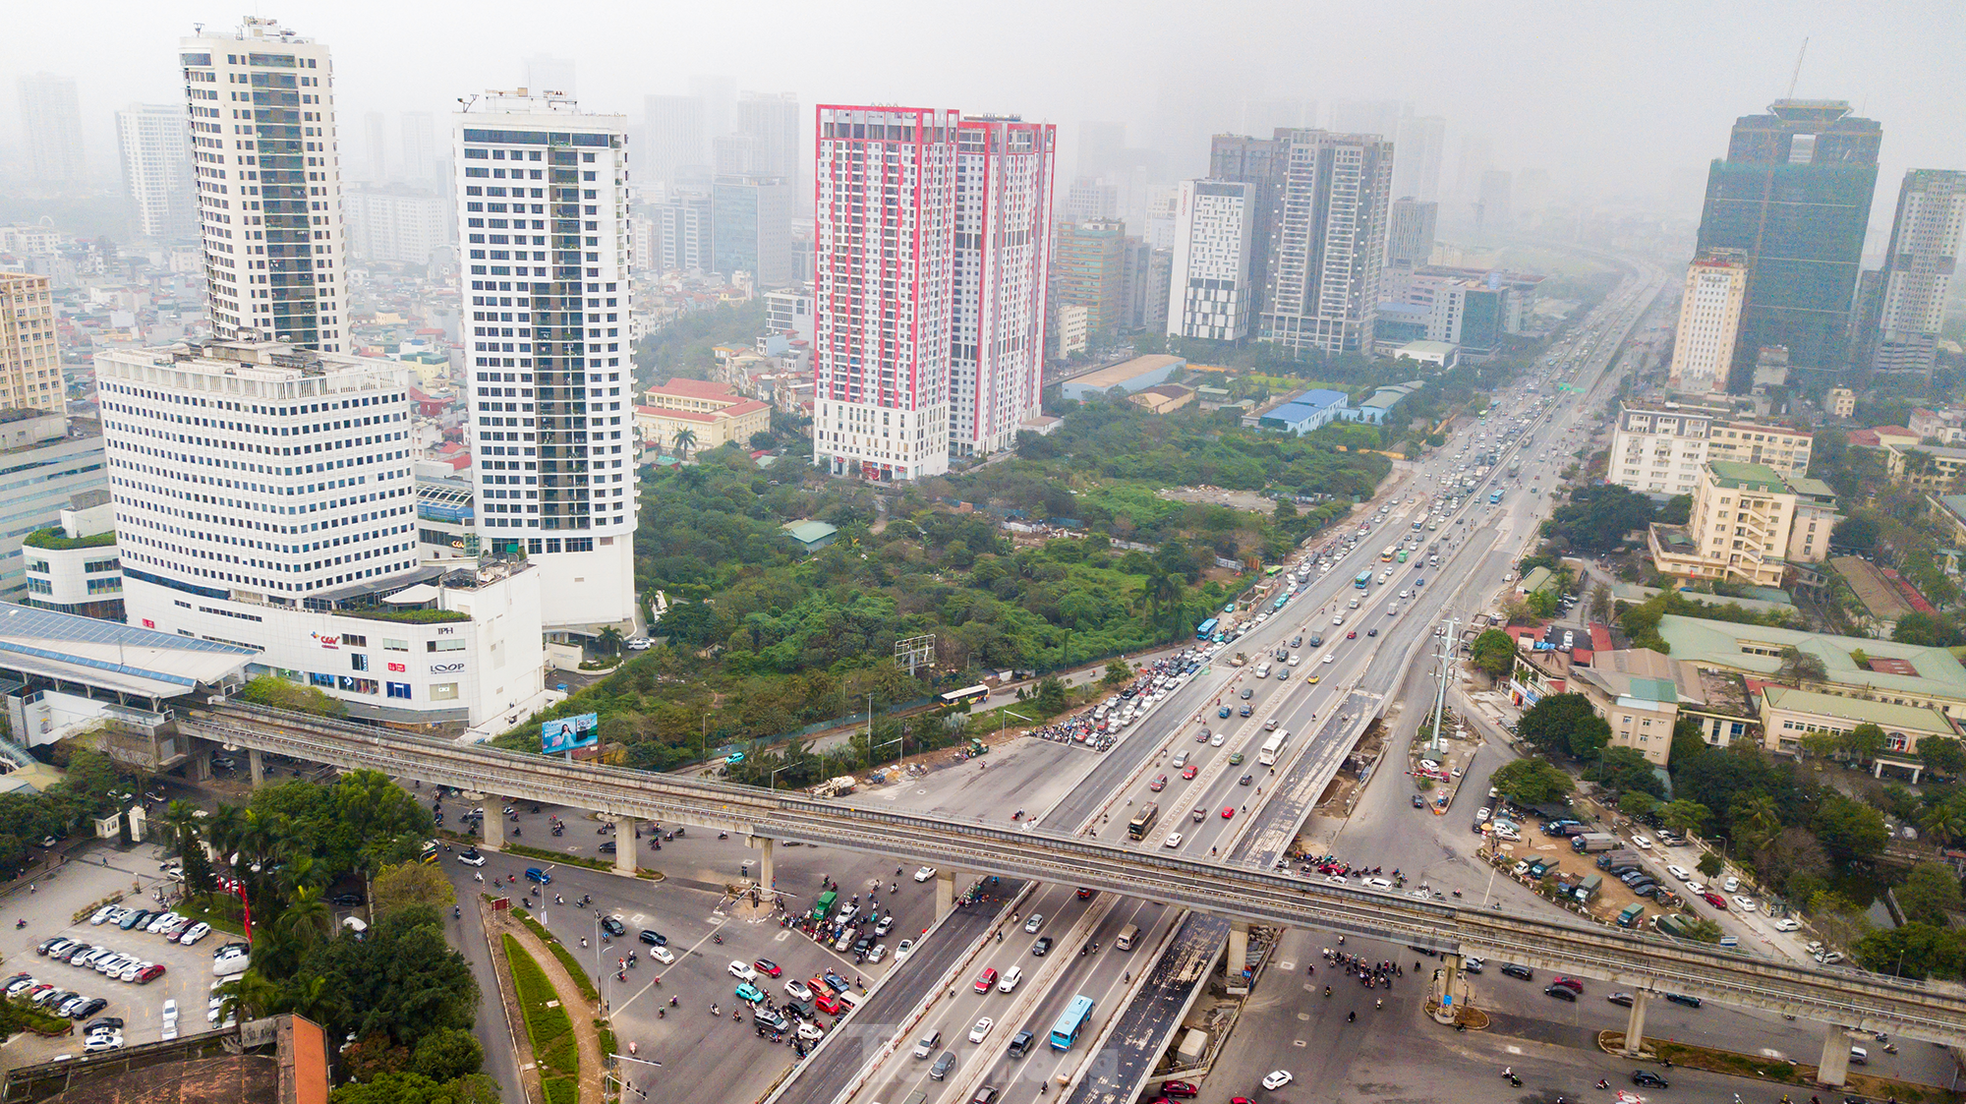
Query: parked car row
(53, 998)
(178, 929)
(106, 961)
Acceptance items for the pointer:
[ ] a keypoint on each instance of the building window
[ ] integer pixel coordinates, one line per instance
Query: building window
(358, 662)
(389, 645)
(399, 690)
(443, 691)
(316, 678)
(448, 644)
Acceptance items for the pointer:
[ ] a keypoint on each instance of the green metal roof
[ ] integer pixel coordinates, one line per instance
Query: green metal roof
(1655, 689)
(1882, 714)
(811, 532)
(1726, 644)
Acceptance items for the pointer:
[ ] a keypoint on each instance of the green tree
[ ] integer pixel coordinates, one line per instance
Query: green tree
(1531, 782)
(1944, 822)
(1688, 818)
(1798, 667)
(1564, 724)
(684, 442)
(403, 885)
(1865, 741)
(1929, 891)
(1917, 950)
(1710, 865)
(278, 693)
(608, 640)
(1849, 829)
(1702, 930)
(1943, 755)
(1117, 673)
(447, 1054)
(1637, 803)
(1494, 653)
(1626, 769)
(1756, 819)
(1051, 695)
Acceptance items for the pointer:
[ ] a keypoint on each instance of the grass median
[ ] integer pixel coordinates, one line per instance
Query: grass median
(548, 1025)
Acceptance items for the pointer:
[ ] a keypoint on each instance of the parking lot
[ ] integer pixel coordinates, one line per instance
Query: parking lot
(94, 872)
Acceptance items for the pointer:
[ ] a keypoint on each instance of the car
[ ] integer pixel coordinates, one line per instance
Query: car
(654, 938)
(1173, 840)
(52, 997)
(1010, 979)
(1680, 873)
(1158, 784)
(1681, 998)
(1642, 843)
(1020, 1044)
(926, 1045)
(176, 927)
(1569, 983)
(159, 922)
(1745, 904)
(1247, 693)
(1244, 711)
(986, 1095)
(1352, 635)
(613, 926)
(50, 944)
(1331, 657)
(1419, 802)
(798, 990)
(1372, 632)
(981, 1030)
(68, 1005)
(1277, 1079)
(1222, 712)
(131, 971)
(884, 925)
(1473, 965)
(748, 992)
(1482, 815)
(150, 973)
(638, 643)
(1829, 958)
(1731, 884)
(106, 1023)
(1041, 948)
(1622, 1000)
(1217, 740)
(742, 971)
(1245, 780)
(902, 950)
(767, 967)
(135, 919)
(940, 1070)
(1787, 924)
(924, 873)
(1188, 772)
(1649, 1080)
(1033, 923)
(986, 980)
(102, 914)
(1696, 889)
(877, 952)
(90, 1008)
(1180, 1090)
(170, 1013)
(107, 1040)
(1235, 758)
(1228, 812)
(1714, 899)
(1560, 992)
(1523, 973)
(535, 874)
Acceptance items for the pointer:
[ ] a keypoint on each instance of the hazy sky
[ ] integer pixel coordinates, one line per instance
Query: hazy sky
(1610, 98)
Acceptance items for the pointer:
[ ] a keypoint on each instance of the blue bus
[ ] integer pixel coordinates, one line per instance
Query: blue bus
(1364, 579)
(1206, 629)
(1066, 1031)
(1495, 495)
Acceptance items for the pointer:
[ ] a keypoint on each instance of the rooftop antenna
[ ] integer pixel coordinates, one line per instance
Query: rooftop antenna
(1797, 75)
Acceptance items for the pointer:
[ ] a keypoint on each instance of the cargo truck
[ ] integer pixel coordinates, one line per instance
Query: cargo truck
(1591, 842)
(1587, 889)
(1631, 915)
(1616, 858)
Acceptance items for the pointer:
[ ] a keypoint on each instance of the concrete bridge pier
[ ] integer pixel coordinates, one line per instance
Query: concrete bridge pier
(624, 845)
(1833, 1068)
(256, 765)
(493, 820)
(1635, 1023)
(767, 879)
(200, 767)
(945, 892)
(1454, 990)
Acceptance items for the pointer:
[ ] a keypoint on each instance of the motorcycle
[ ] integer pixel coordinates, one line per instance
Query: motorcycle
(557, 830)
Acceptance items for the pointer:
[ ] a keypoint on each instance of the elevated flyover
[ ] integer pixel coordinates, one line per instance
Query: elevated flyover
(1932, 1011)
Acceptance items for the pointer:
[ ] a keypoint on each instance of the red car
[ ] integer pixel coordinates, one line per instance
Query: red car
(1189, 771)
(1570, 983)
(151, 974)
(1158, 784)
(1716, 900)
(1184, 1089)
(986, 980)
(1228, 811)
(1085, 894)
(1353, 635)
(767, 967)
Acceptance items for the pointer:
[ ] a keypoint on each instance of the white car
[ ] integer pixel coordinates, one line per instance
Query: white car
(1010, 979)
(982, 1029)
(133, 971)
(1295, 660)
(902, 950)
(925, 873)
(235, 963)
(1695, 888)
(1217, 739)
(798, 990)
(1482, 814)
(471, 858)
(1641, 843)
(170, 1013)
(1173, 840)
(1787, 924)
(877, 952)
(810, 1032)
(1032, 925)
(662, 955)
(1731, 884)
(102, 914)
(1680, 873)
(1745, 904)
(194, 933)
(1277, 1079)
(105, 1040)
(1330, 657)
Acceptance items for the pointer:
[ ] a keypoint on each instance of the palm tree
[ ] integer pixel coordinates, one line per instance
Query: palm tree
(684, 441)
(609, 638)
(306, 920)
(248, 996)
(1757, 820)
(181, 820)
(1945, 822)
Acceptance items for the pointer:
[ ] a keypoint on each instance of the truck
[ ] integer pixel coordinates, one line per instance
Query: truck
(1588, 887)
(1616, 858)
(1674, 926)
(824, 904)
(1591, 842)
(1631, 915)
(1238, 660)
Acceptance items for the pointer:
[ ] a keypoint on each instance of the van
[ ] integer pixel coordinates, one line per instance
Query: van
(1263, 669)
(927, 1044)
(848, 1001)
(917, 1097)
(1128, 937)
(1010, 978)
(1859, 1056)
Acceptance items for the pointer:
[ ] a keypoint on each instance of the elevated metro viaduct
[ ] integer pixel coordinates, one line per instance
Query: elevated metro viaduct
(1846, 1001)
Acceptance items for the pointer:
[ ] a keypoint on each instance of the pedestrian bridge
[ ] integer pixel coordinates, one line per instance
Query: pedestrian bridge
(1642, 963)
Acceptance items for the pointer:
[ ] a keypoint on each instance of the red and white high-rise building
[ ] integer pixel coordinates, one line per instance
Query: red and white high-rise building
(883, 293)
(1004, 170)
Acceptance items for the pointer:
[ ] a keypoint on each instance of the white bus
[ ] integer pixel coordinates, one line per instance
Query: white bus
(1272, 748)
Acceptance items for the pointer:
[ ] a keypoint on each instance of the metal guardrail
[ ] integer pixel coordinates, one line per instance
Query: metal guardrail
(1937, 1013)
